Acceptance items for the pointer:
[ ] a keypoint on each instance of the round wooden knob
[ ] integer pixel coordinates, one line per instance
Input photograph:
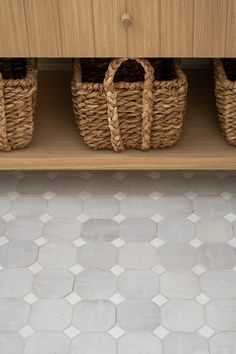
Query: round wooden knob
(126, 20)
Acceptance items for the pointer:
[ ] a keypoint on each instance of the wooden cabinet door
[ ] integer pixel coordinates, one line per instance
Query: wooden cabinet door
(230, 47)
(109, 34)
(176, 28)
(76, 17)
(210, 19)
(43, 25)
(13, 32)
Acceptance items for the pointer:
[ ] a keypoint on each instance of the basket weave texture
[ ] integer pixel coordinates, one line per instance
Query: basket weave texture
(129, 103)
(225, 92)
(18, 87)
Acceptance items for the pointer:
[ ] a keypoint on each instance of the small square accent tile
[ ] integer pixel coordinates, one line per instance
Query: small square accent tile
(49, 195)
(45, 217)
(117, 269)
(40, 241)
(155, 195)
(119, 195)
(84, 195)
(26, 331)
(120, 175)
(118, 242)
(85, 175)
(206, 331)
(3, 240)
(8, 217)
(193, 218)
(119, 218)
(159, 269)
(191, 195)
(76, 269)
(230, 217)
(226, 195)
(30, 299)
(157, 218)
(117, 299)
(73, 298)
(13, 194)
(71, 332)
(156, 242)
(196, 243)
(79, 242)
(36, 268)
(187, 175)
(232, 242)
(202, 299)
(154, 175)
(82, 217)
(159, 300)
(198, 269)
(52, 175)
(161, 332)
(116, 332)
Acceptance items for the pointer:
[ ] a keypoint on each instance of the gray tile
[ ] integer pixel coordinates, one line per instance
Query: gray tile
(174, 206)
(18, 254)
(11, 343)
(33, 185)
(5, 204)
(180, 284)
(182, 315)
(217, 255)
(218, 284)
(214, 230)
(103, 185)
(93, 343)
(62, 229)
(13, 315)
(101, 207)
(53, 283)
(221, 315)
(232, 205)
(29, 206)
(176, 229)
(206, 185)
(138, 316)
(140, 255)
(2, 226)
(185, 343)
(47, 343)
(57, 255)
(65, 206)
(24, 229)
(99, 230)
(95, 284)
(50, 315)
(177, 255)
(135, 185)
(223, 343)
(138, 207)
(139, 343)
(170, 185)
(137, 229)
(210, 206)
(138, 284)
(67, 185)
(7, 183)
(97, 256)
(15, 282)
(94, 316)
(229, 183)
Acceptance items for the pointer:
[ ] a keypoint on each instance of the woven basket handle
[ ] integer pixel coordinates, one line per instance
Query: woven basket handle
(4, 146)
(112, 107)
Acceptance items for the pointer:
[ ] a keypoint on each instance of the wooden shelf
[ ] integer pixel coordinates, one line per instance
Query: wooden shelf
(57, 144)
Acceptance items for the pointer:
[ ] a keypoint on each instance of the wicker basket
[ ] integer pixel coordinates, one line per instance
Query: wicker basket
(129, 103)
(18, 86)
(225, 92)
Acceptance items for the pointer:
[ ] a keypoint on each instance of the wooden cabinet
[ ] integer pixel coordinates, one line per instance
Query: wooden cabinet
(230, 45)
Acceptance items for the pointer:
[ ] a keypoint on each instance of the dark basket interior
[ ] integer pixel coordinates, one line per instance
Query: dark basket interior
(13, 68)
(93, 70)
(230, 68)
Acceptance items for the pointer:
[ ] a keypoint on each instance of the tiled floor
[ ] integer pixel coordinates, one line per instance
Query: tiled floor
(117, 263)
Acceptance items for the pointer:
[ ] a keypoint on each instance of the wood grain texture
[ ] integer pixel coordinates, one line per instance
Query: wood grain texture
(58, 145)
(144, 34)
(43, 25)
(210, 19)
(230, 46)
(177, 28)
(110, 34)
(13, 31)
(76, 18)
